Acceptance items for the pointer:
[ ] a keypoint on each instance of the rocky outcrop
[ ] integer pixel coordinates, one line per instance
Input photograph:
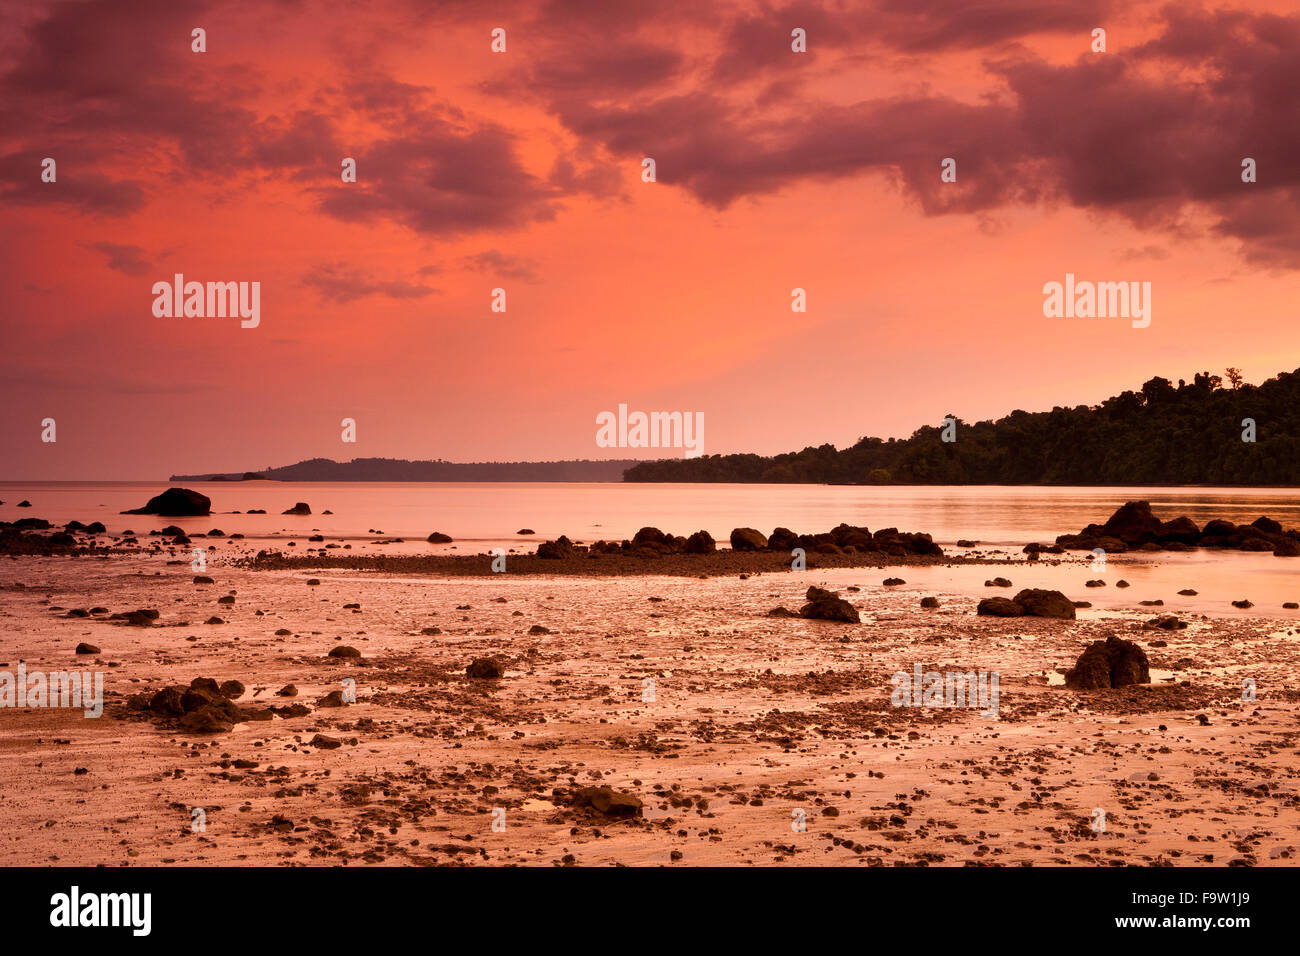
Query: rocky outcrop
(1134, 527)
(301, 508)
(175, 503)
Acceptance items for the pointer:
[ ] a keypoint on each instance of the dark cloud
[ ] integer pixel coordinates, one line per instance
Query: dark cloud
(127, 259)
(503, 264)
(342, 284)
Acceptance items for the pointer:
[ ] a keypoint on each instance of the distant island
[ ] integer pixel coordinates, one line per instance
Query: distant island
(1197, 432)
(399, 469)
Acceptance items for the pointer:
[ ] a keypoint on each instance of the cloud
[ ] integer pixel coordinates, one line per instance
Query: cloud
(503, 264)
(127, 259)
(341, 284)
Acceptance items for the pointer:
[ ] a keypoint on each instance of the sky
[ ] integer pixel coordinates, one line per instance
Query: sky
(522, 170)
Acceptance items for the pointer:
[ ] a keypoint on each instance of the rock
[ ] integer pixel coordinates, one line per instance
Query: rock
(301, 508)
(175, 503)
(1266, 525)
(929, 602)
(525, 531)
(1286, 548)
(1133, 523)
(1156, 603)
(747, 539)
(231, 689)
(485, 668)
(322, 742)
(437, 537)
(999, 607)
(1291, 605)
(1042, 603)
(430, 631)
(539, 629)
(288, 690)
(95, 527)
(966, 543)
(607, 800)
(893, 582)
(84, 648)
(1243, 604)
(1121, 583)
(815, 593)
(282, 632)
(783, 539)
(781, 612)
(1113, 662)
(1188, 592)
(558, 549)
(701, 542)
(168, 702)
(344, 650)
(214, 620)
(333, 699)
(1095, 583)
(24, 504)
(827, 606)
(203, 579)
(207, 720)
(313, 582)
(1182, 529)
(997, 583)
(1166, 622)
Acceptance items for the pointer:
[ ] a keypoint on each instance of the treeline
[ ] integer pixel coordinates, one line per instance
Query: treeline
(1191, 433)
(398, 469)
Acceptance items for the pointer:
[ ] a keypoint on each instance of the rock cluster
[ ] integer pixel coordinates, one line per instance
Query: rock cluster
(1134, 527)
(1031, 602)
(843, 539)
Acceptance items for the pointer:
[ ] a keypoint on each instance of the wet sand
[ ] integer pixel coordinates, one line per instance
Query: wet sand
(755, 722)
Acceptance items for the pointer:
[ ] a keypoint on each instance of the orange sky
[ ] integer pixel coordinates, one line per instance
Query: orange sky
(521, 170)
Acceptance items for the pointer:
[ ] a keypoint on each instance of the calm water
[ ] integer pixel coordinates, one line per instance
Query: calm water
(480, 513)
(484, 516)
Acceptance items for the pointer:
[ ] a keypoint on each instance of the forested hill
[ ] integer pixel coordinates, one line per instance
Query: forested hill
(397, 469)
(1190, 433)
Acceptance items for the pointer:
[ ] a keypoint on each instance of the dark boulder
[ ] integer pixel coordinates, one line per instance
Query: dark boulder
(175, 503)
(1113, 662)
(561, 547)
(437, 537)
(747, 539)
(826, 605)
(608, 801)
(301, 508)
(783, 539)
(701, 542)
(1042, 603)
(485, 668)
(1133, 523)
(999, 607)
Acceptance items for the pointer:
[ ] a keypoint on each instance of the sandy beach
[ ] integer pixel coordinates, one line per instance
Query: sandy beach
(746, 738)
